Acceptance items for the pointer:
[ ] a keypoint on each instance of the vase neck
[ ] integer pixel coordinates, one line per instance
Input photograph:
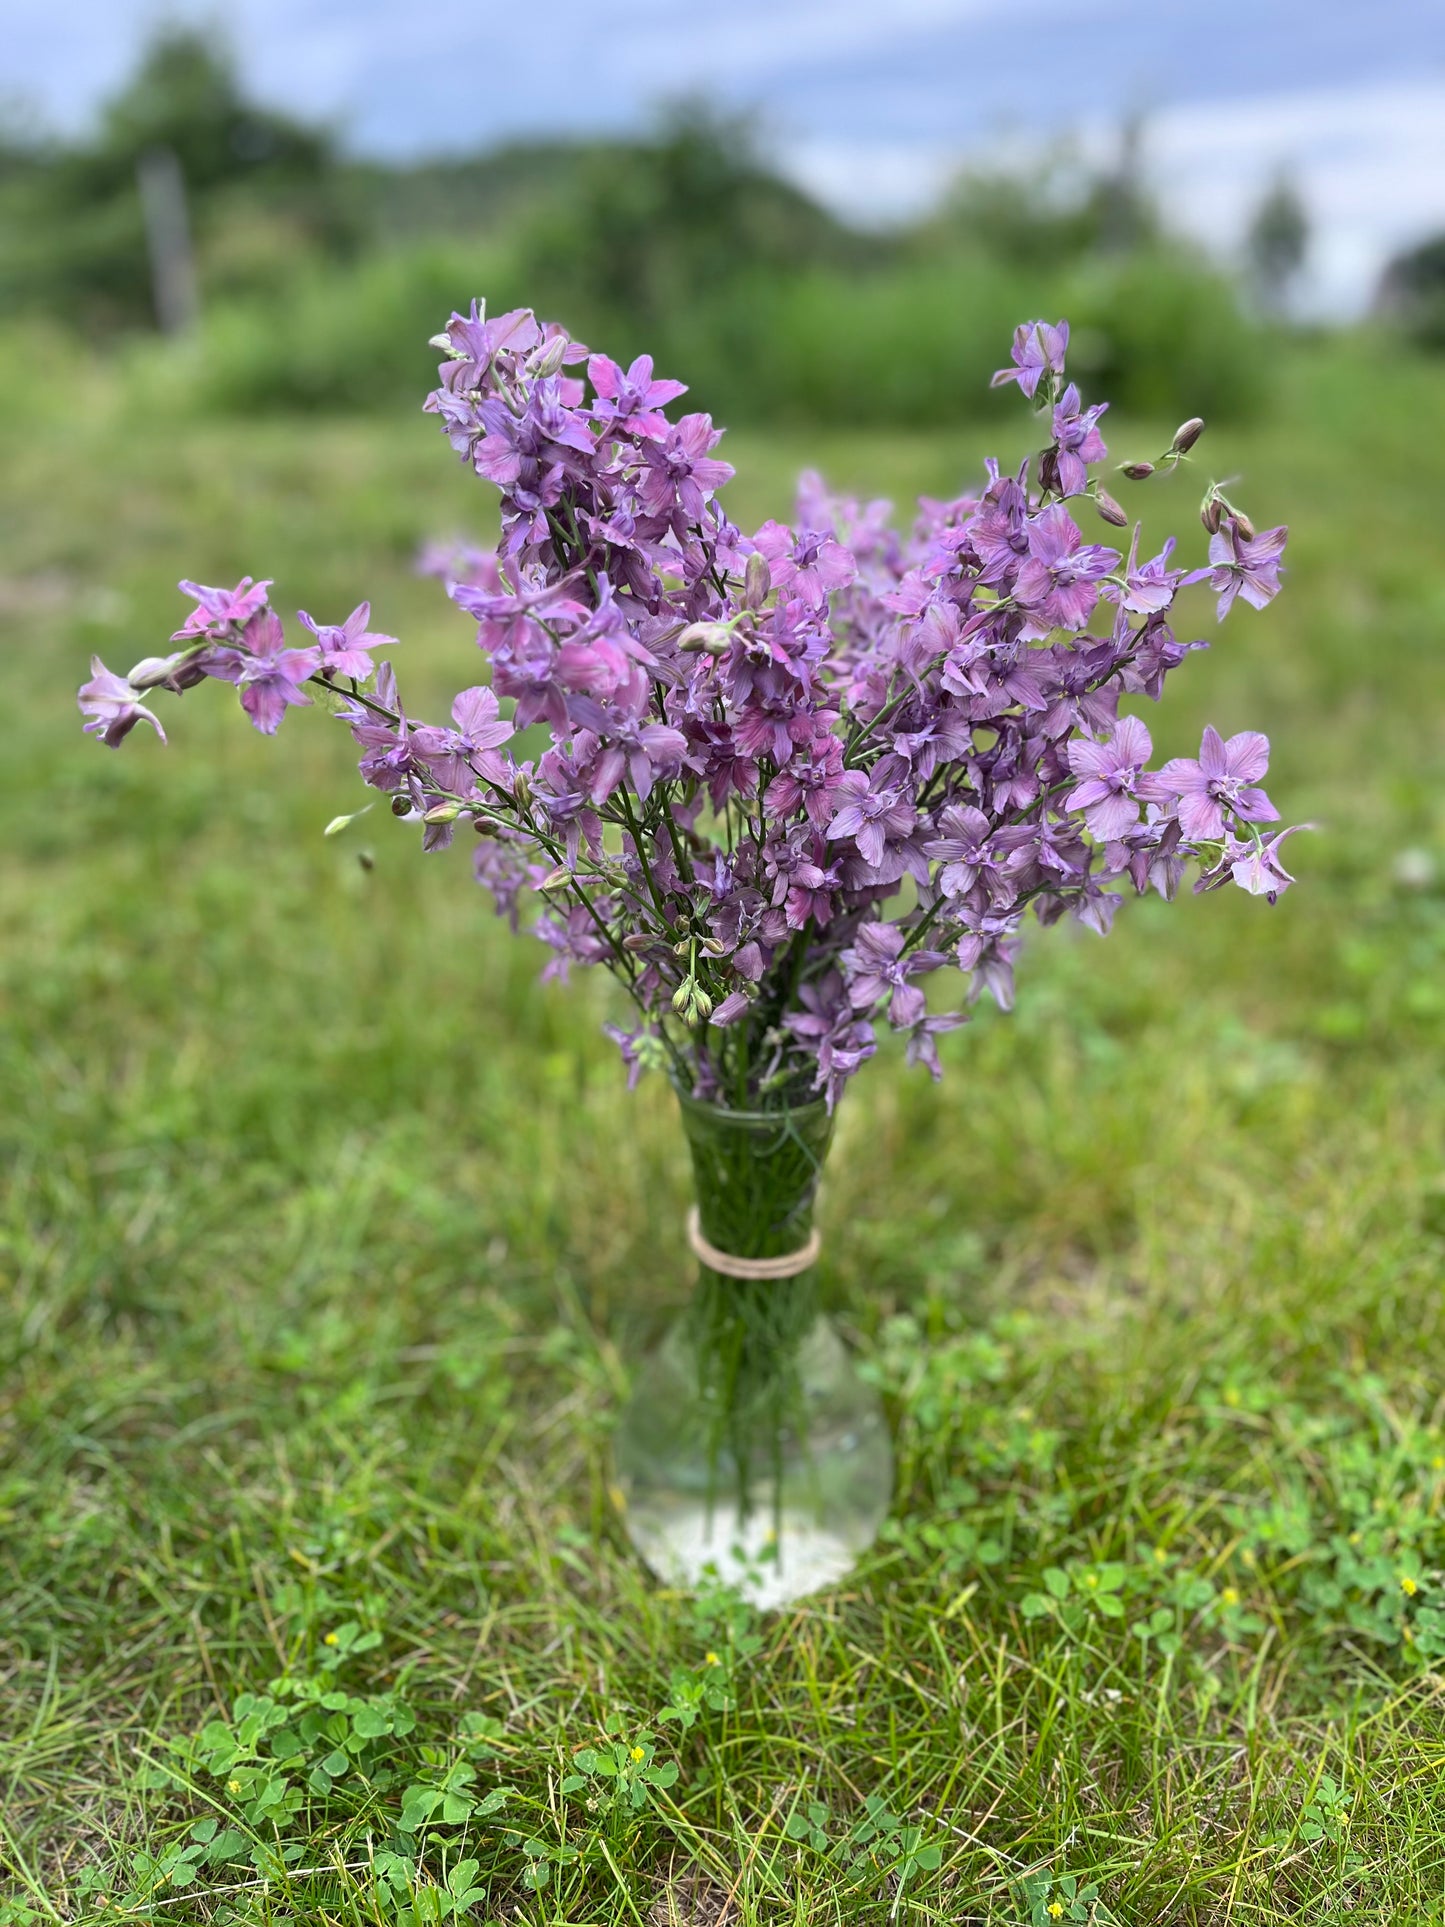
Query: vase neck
(756, 1174)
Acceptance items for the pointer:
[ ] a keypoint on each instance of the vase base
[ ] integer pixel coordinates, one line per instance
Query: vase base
(769, 1560)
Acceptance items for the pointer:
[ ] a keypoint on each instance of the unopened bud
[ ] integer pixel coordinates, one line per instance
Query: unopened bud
(442, 341)
(339, 823)
(549, 359)
(1244, 525)
(521, 789)
(557, 879)
(1137, 471)
(1211, 514)
(637, 940)
(1109, 509)
(704, 638)
(757, 581)
(442, 813)
(701, 1003)
(1186, 435)
(682, 996)
(484, 826)
(151, 672)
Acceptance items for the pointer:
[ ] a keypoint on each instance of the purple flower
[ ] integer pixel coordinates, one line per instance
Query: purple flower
(1036, 347)
(456, 757)
(1057, 585)
(877, 967)
(1221, 780)
(632, 400)
(345, 649)
(679, 473)
(1109, 794)
(112, 706)
(268, 674)
(220, 610)
(625, 749)
(1244, 565)
(923, 1041)
(1077, 442)
(750, 747)
(812, 564)
(1150, 587)
(964, 852)
(1257, 867)
(875, 814)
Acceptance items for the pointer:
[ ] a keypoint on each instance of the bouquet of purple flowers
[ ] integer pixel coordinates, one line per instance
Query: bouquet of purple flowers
(780, 779)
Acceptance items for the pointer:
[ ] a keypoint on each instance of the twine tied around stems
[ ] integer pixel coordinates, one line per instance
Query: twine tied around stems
(788, 1265)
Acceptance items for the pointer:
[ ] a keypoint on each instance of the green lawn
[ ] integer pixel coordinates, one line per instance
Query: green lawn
(327, 1234)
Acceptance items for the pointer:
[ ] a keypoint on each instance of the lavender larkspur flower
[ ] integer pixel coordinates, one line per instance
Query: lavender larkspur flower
(346, 647)
(1037, 349)
(1221, 783)
(218, 611)
(268, 674)
(1245, 565)
(1058, 584)
(113, 707)
(458, 756)
(1077, 442)
(1109, 793)
(750, 744)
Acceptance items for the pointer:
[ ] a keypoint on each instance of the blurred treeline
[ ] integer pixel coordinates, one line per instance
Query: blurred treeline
(322, 277)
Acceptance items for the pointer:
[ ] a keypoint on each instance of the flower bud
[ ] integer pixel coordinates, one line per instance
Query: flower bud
(757, 581)
(442, 813)
(557, 879)
(151, 672)
(442, 341)
(637, 940)
(1244, 525)
(1137, 471)
(339, 823)
(704, 638)
(484, 826)
(1186, 435)
(1109, 510)
(521, 789)
(549, 358)
(1211, 513)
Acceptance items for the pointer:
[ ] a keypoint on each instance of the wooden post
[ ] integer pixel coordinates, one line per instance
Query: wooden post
(168, 240)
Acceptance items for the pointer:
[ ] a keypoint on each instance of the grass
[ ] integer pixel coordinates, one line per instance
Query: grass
(326, 1235)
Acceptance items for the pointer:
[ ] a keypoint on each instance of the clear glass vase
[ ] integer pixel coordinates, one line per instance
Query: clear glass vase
(751, 1450)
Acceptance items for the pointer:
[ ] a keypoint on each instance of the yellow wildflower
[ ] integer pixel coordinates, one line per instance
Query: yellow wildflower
(1408, 1586)
(711, 1659)
(1056, 1910)
(639, 1753)
(1230, 1596)
(330, 1640)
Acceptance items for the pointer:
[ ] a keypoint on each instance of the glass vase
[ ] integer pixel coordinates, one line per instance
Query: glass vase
(751, 1451)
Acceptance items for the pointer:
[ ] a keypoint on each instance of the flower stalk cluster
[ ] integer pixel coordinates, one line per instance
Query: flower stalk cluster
(784, 778)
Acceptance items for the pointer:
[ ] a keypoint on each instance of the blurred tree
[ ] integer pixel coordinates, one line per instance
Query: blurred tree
(71, 228)
(1412, 293)
(1276, 245)
(647, 228)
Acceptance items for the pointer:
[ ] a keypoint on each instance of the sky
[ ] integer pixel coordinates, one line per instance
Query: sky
(871, 104)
